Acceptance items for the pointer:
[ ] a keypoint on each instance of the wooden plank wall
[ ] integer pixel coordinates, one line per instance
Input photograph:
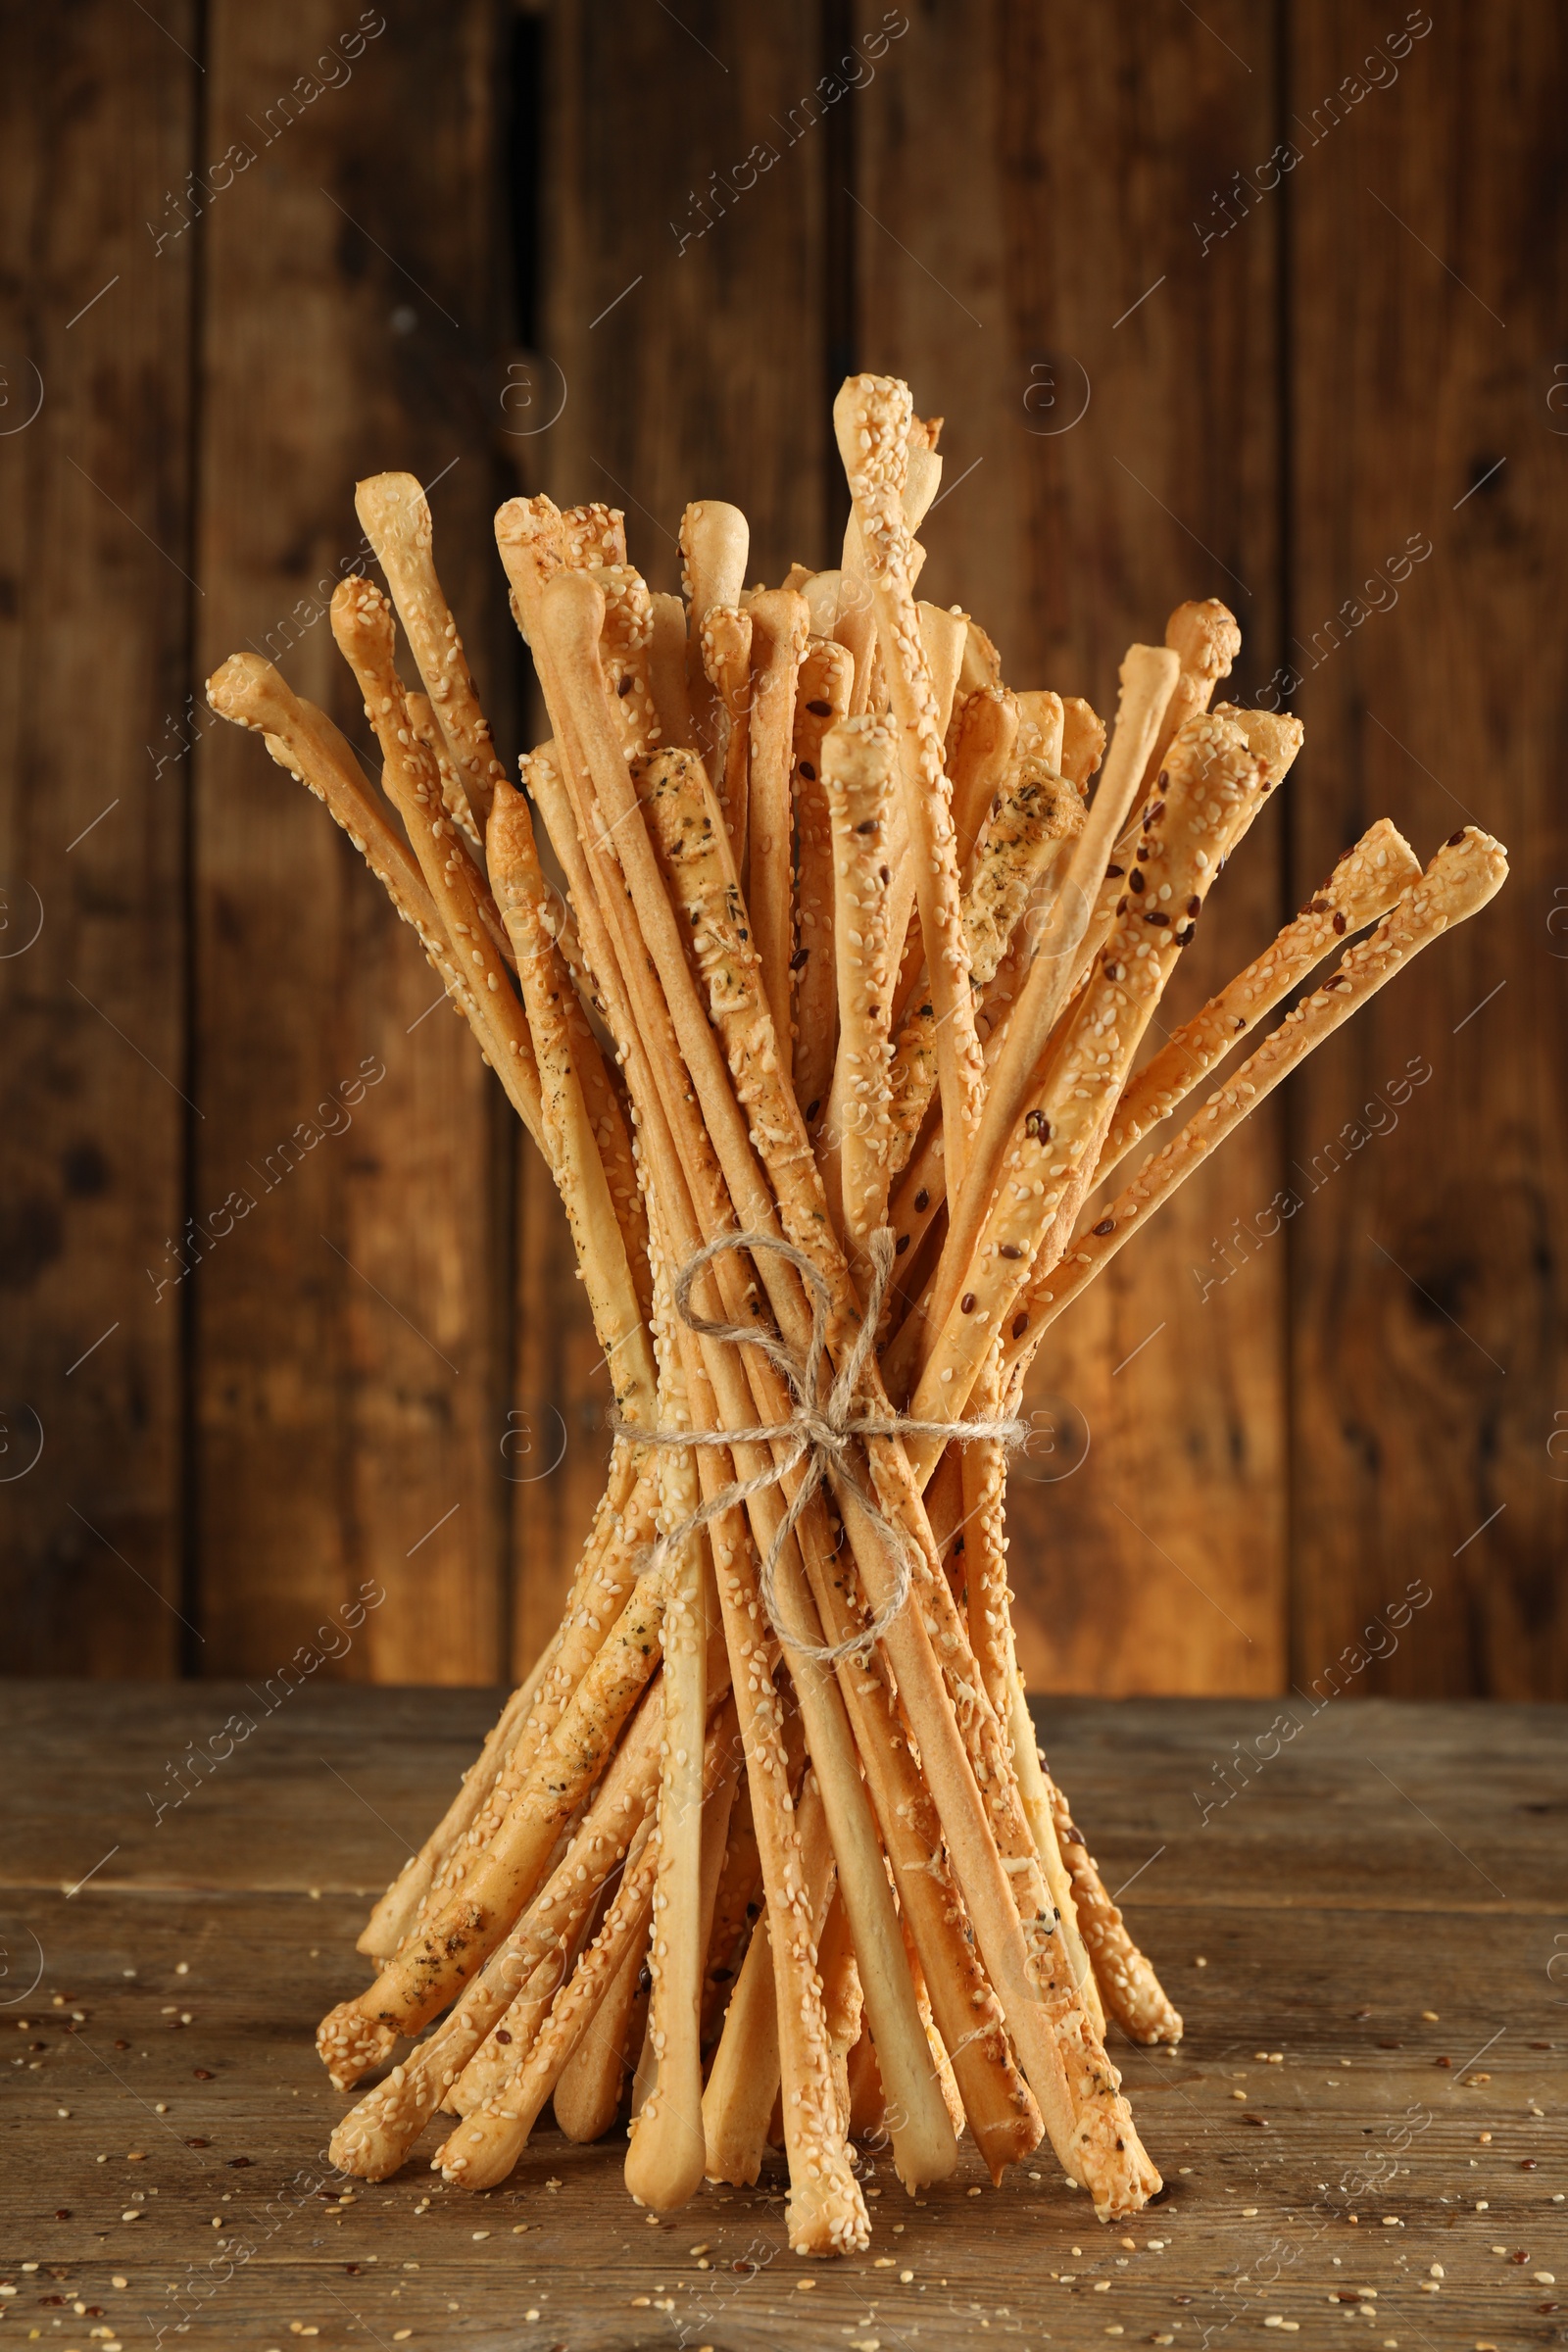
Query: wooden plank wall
(1237, 304)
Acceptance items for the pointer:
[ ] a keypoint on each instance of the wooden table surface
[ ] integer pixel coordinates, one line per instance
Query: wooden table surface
(1362, 2133)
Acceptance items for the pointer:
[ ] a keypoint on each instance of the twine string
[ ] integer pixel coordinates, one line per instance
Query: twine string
(820, 1433)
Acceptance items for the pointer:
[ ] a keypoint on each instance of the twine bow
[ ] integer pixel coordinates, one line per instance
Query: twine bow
(819, 1434)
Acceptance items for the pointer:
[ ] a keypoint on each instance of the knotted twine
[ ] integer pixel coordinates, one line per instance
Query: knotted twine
(819, 1434)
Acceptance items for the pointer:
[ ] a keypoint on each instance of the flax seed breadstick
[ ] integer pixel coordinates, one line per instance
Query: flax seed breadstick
(822, 697)
(1468, 870)
(1147, 676)
(396, 516)
(1363, 886)
(780, 622)
(1212, 789)
(1037, 815)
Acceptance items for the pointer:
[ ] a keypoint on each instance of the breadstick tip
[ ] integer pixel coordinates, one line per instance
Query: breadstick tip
(1205, 637)
(391, 506)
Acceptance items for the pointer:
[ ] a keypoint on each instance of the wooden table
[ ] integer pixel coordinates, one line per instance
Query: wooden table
(1369, 1941)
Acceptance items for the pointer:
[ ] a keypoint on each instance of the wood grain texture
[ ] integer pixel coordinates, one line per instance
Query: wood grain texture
(94, 653)
(1427, 1324)
(1027, 176)
(1328, 1916)
(348, 1333)
(705, 378)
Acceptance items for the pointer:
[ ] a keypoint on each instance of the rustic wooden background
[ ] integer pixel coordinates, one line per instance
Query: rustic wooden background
(508, 250)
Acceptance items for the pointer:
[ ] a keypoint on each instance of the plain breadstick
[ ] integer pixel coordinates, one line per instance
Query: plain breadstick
(714, 541)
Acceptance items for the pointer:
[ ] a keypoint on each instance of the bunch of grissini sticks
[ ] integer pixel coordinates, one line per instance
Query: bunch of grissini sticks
(828, 1050)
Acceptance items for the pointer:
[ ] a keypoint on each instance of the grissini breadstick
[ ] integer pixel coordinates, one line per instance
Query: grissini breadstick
(484, 2148)
(1205, 640)
(1211, 790)
(727, 650)
(1037, 815)
(1042, 721)
(1083, 740)
(458, 1938)
(602, 1254)
(396, 516)
(922, 2148)
(1361, 889)
(588, 2090)
(843, 2001)
(375, 2135)
(714, 541)
(593, 537)
(666, 672)
(780, 623)
(362, 624)
(737, 1905)
(453, 800)
(1131, 1991)
(943, 636)
(1085, 2112)
(626, 651)
(858, 758)
(743, 2082)
(665, 2161)
(987, 730)
(822, 697)
(604, 1589)
(1467, 871)
(871, 418)
(250, 692)
(1147, 676)
(743, 2079)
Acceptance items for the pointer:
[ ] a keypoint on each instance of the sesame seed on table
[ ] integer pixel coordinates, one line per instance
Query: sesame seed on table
(1372, 2032)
